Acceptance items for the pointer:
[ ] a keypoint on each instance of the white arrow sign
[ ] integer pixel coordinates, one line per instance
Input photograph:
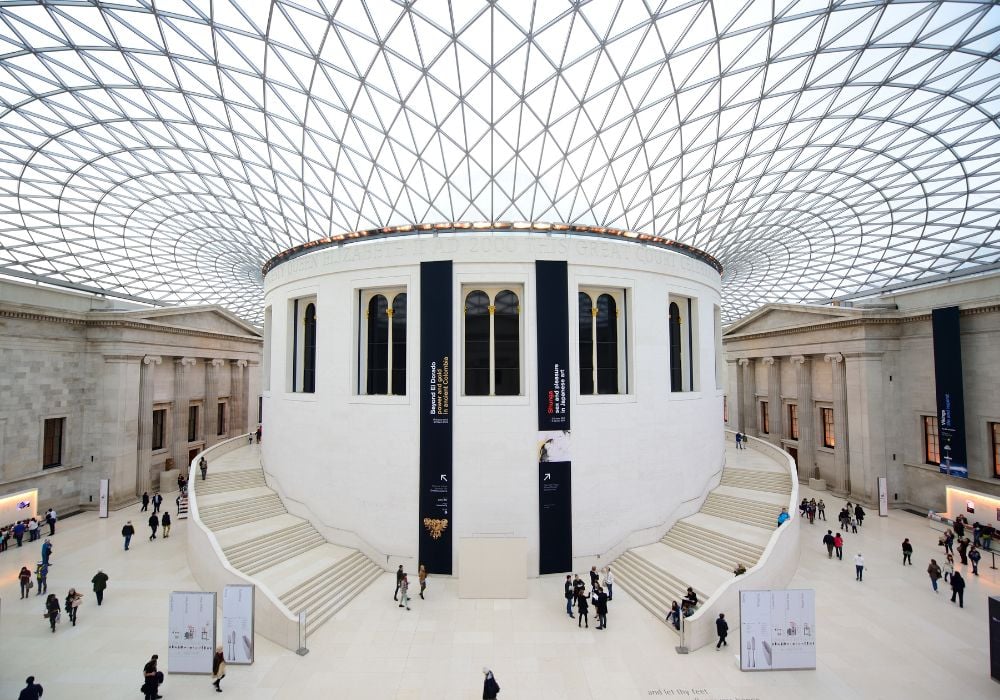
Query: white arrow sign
(444, 477)
(547, 476)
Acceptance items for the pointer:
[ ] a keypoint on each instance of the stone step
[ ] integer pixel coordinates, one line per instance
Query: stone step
(256, 544)
(756, 480)
(315, 617)
(276, 550)
(742, 510)
(301, 546)
(719, 539)
(307, 592)
(713, 553)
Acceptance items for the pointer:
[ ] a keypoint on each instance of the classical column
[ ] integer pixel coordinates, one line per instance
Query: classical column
(237, 397)
(840, 447)
(212, 400)
(182, 400)
(145, 439)
(807, 428)
(748, 407)
(775, 432)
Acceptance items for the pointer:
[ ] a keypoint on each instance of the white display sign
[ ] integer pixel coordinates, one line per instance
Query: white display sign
(103, 498)
(22, 505)
(237, 624)
(883, 497)
(191, 643)
(777, 630)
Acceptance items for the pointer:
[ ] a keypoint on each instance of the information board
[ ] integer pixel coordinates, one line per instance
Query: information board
(237, 623)
(777, 630)
(191, 631)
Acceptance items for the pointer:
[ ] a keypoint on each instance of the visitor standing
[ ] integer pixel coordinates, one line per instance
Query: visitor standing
(595, 578)
(24, 578)
(949, 541)
(165, 522)
(404, 593)
(151, 679)
(46, 552)
(568, 592)
(609, 581)
(974, 557)
(739, 439)
(838, 545)
(19, 528)
(399, 582)
(127, 531)
(963, 549)
(145, 501)
(203, 466)
(33, 691)
(821, 510)
(722, 628)
(41, 578)
(934, 571)
(157, 501)
(422, 578)
(154, 522)
(490, 686)
(100, 582)
(218, 669)
(958, 588)
(601, 606)
(907, 552)
(582, 607)
(32, 530)
(859, 567)
(828, 541)
(73, 600)
(949, 567)
(50, 518)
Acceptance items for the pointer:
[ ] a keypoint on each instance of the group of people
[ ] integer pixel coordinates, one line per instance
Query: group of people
(852, 516)
(32, 527)
(968, 552)
(741, 441)
(812, 509)
(71, 604)
(601, 592)
(402, 592)
(685, 608)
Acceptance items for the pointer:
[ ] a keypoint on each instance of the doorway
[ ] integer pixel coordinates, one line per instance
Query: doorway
(794, 452)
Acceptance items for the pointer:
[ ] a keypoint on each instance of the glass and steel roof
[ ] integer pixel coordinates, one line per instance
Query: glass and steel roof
(163, 150)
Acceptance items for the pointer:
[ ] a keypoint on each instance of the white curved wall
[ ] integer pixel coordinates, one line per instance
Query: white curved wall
(354, 459)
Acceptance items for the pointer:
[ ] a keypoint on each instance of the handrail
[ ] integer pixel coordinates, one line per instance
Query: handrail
(212, 570)
(775, 567)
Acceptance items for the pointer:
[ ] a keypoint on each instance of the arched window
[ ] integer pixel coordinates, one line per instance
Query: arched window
(309, 350)
(477, 343)
(506, 345)
(602, 332)
(397, 347)
(676, 372)
(378, 345)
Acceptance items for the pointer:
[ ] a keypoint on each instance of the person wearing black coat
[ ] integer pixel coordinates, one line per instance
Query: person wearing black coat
(151, 677)
(165, 522)
(582, 609)
(145, 501)
(958, 589)
(722, 627)
(490, 686)
(127, 531)
(154, 522)
(907, 552)
(568, 592)
(601, 606)
(33, 691)
(859, 513)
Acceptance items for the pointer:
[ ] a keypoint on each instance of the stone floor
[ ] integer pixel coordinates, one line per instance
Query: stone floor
(889, 637)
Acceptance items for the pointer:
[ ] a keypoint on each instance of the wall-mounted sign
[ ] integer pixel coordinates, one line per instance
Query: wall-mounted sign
(103, 498)
(21, 505)
(191, 632)
(777, 630)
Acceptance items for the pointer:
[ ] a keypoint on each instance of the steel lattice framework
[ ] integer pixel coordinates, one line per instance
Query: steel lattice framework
(165, 149)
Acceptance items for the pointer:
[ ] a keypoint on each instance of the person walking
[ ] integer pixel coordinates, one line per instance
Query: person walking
(41, 578)
(601, 606)
(949, 567)
(859, 567)
(422, 578)
(154, 522)
(145, 501)
(73, 600)
(828, 541)
(722, 629)
(974, 557)
(609, 581)
(46, 552)
(100, 582)
(151, 679)
(958, 588)
(203, 466)
(32, 691)
(404, 593)
(854, 524)
(165, 522)
(24, 578)
(157, 502)
(907, 552)
(859, 513)
(934, 571)
(50, 518)
(127, 531)
(490, 686)
(838, 545)
(52, 610)
(582, 609)
(218, 669)
(739, 439)
(399, 582)
(821, 510)
(568, 592)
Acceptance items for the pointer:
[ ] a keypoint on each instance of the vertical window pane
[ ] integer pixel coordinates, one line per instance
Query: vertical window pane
(192, 423)
(309, 350)
(158, 421)
(765, 419)
(607, 345)
(399, 345)
(793, 421)
(827, 415)
(506, 345)
(674, 323)
(220, 419)
(477, 344)
(52, 441)
(995, 433)
(378, 345)
(932, 451)
(586, 344)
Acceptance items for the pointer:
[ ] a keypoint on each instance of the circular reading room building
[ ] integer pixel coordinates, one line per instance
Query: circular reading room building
(553, 390)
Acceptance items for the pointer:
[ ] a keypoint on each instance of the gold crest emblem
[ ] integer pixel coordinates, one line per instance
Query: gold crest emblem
(435, 526)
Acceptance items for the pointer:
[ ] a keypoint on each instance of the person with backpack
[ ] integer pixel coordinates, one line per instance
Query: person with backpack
(490, 686)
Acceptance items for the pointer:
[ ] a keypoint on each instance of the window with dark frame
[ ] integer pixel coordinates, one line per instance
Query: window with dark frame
(793, 421)
(725, 409)
(765, 418)
(220, 419)
(309, 350)
(159, 423)
(384, 355)
(932, 442)
(674, 338)
(52, 442)
(600, 349)
(995, 441)
(492, 343)
(192, 423)
(826, 418)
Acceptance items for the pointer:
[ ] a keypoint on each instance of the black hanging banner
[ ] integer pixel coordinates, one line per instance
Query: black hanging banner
(436, 522)
(555, 503)
(950, 396)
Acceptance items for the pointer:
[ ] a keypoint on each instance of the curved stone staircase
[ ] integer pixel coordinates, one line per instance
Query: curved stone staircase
(283, 552)
(733, 527)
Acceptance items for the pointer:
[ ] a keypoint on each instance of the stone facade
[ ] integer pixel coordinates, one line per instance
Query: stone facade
(872, 365)
(101, 368)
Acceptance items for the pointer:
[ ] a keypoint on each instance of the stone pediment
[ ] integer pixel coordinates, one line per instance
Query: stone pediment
(213, 319)
(784, 316)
